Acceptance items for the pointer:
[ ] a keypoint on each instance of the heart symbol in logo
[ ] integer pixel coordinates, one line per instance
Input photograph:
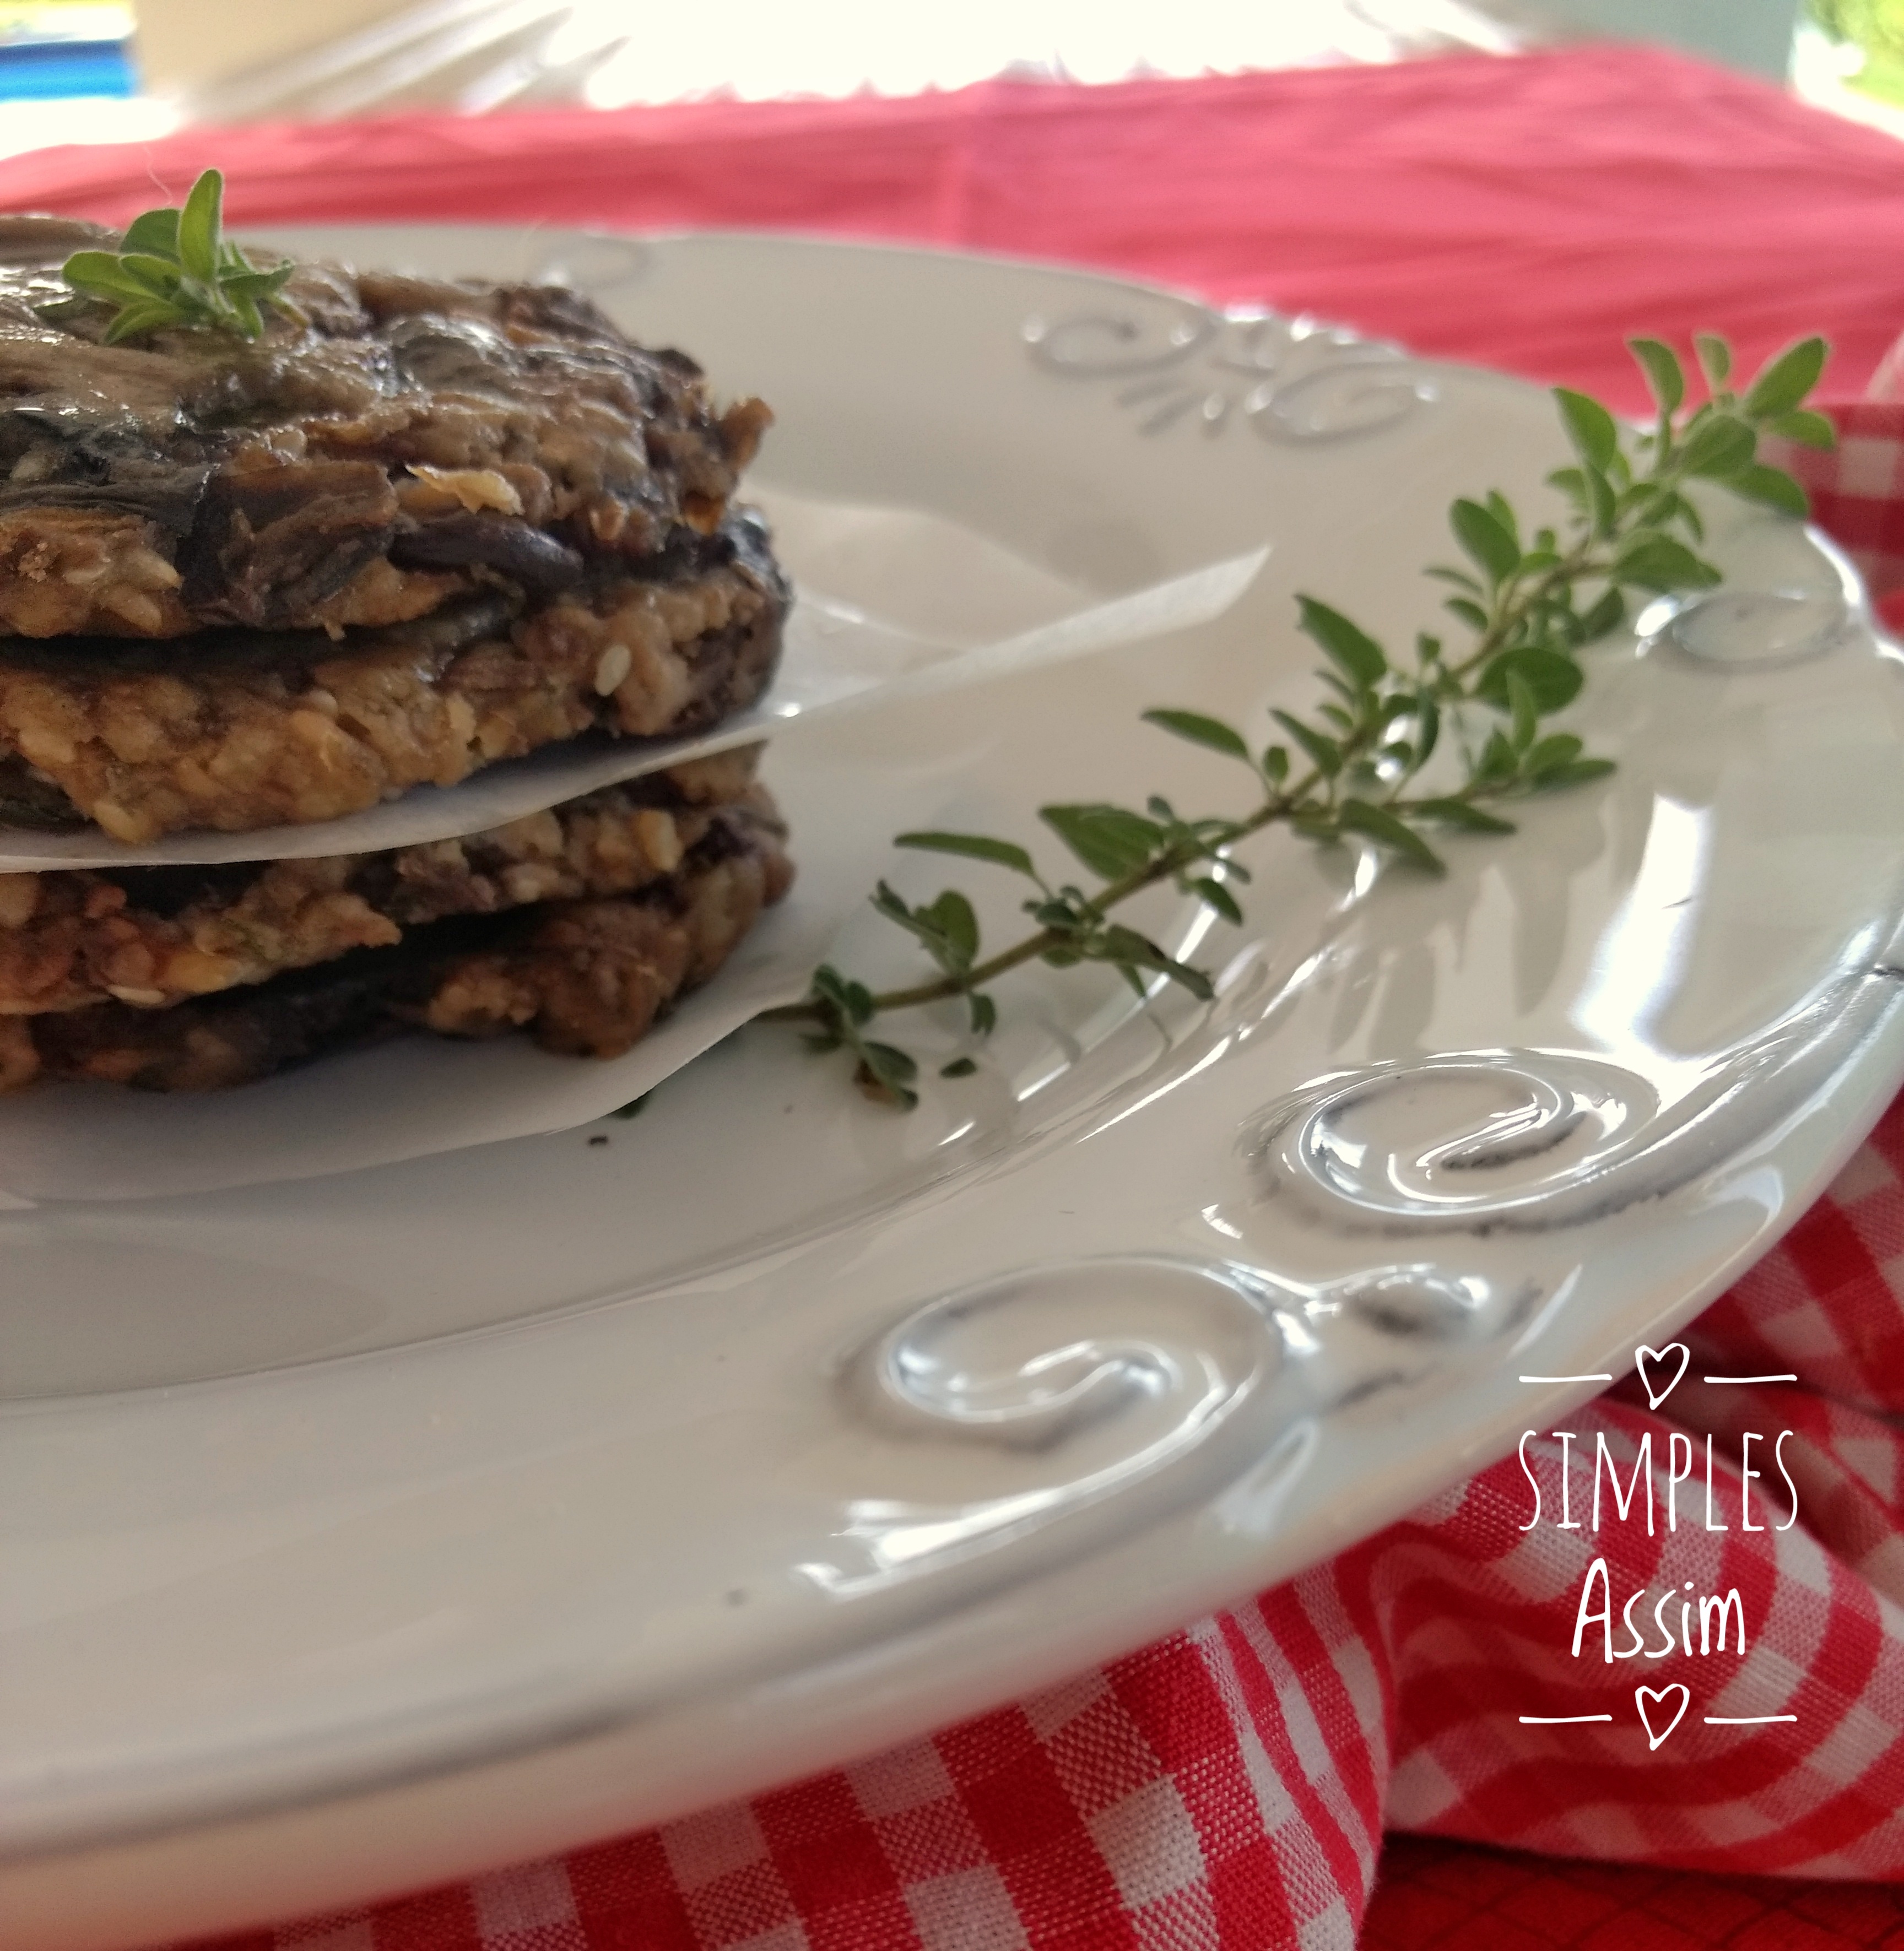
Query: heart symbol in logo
(1643, 1355)
(1641, 1695)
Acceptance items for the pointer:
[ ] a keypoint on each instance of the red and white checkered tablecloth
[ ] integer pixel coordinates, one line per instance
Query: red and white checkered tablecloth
(1857, 489)
(1227, 1789)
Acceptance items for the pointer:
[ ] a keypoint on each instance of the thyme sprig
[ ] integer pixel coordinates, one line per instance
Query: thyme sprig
(1529, 603)
(176, 268)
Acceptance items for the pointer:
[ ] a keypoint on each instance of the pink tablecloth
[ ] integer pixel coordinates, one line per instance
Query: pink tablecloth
(1229, 1788)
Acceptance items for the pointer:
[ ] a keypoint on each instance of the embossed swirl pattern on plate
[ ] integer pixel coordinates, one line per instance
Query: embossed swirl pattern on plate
(1449, 1139)
(1089, 1394)
(1750, 629)
(1039, 1357)
(1536, 1139)
(1421, 1304)
(1291, 379)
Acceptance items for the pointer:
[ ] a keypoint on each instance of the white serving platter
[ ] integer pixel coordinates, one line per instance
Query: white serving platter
(373, 1529)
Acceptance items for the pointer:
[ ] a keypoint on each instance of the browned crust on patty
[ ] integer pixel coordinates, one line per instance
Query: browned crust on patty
(149, 937)
(586, 978)
(245, 735)
(404, 441)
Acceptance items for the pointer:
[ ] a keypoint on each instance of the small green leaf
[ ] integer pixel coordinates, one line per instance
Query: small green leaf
(1215, 894)
(1774, 487)
(1551, 680)
(142, 318)
(1276, 764)
(65, 313)
(199, 227)
(1560, 748)
(1378, 824)
(886, 1074)
(892, 1062)
(972, 846)
(1685, 513)
(952, 914)
(98, 273)
(158, 276)
(1501, 509)
(1571, 483)
(984, 1013)
(1714, 358)
(1785, 380)
(1808, 429)
(1523, 712)
(1202, 731)
(1498, 761)
(851, 1001)
(255, 284)
(1360, 659)
(1665, 374)
(1325, 753)
(243, 309)
(1460, 813)
(1111, 842)
(157, 231)
(1657, 562)
(960, 1066)
(1606, 615)
(1458, 577)
(1428, 719)
(948, 929)
(1470, 613)
(1590, 426)
(1602, 505)
(1125, 949)
(1578, 774)
(1718, 447)
(1485, 540)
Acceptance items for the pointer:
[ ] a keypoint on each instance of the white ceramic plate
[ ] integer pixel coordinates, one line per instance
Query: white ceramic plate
(377, 1529)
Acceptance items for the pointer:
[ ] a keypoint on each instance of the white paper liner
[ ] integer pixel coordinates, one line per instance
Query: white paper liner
(892, 603)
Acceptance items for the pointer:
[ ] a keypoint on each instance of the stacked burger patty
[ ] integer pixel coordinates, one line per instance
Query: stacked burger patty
(417, 528)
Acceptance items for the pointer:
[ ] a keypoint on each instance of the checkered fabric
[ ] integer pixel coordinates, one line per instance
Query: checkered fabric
(1436, 1896)
(1857, 488)
(1227, 1788)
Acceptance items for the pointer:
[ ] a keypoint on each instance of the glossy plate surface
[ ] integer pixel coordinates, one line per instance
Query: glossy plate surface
(382, 1527)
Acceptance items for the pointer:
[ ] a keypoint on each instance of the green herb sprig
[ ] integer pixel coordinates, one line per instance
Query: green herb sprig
(1528, 603)
(176, 268)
